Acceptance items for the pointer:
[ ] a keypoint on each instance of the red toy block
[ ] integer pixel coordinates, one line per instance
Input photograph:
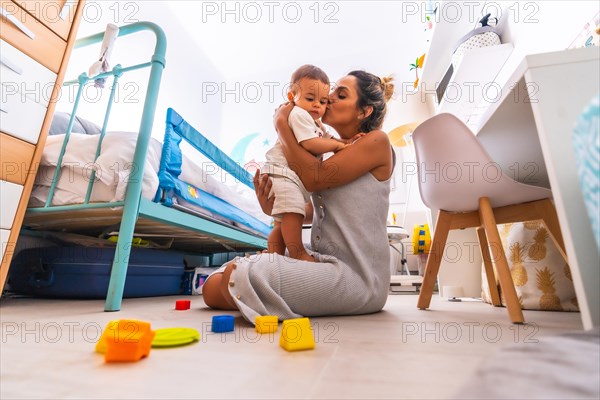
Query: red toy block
(183, 304)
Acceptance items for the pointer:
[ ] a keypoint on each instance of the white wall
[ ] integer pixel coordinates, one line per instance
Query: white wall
(403, 109)
(210, 49)
(228, 54)
(186, 66)
(367, 35)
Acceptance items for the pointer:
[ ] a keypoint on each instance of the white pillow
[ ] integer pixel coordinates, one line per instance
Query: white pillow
(113, 166)
(71, 188)
(79, 153)
(116, 162)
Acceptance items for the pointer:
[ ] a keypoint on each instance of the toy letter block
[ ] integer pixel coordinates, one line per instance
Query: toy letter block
(267, 324)
(125, 340)
(296, 335)
(222, 323)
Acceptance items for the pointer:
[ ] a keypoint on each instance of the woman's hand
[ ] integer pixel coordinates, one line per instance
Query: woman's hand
(262, 188)
(282, 114)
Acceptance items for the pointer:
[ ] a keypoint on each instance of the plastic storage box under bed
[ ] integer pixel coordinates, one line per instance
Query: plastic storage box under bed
(84, 272)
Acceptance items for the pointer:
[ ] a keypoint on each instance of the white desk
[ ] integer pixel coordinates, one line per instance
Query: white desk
(531, 138)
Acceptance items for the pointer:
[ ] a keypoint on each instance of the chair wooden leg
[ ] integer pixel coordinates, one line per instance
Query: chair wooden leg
(442, 227)
(546, 209)
(486, 214)
(489, 270)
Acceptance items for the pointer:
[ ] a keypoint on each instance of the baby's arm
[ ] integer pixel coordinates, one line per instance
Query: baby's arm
(319, 145)
(345, 141)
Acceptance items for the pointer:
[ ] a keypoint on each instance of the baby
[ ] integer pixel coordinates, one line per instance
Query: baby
(309, 90)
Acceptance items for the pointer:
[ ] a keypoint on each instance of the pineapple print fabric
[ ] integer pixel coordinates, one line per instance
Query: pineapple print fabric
(541, 275)
(546, 283)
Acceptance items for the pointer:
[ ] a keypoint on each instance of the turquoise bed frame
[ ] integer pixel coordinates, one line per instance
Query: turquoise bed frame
(134, 208)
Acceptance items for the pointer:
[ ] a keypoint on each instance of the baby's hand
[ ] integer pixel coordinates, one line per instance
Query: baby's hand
(355, 138)
(340, 146)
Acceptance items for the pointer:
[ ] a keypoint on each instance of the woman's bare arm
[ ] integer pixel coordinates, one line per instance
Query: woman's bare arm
(262, 188)
(371, 152)
(308, 211)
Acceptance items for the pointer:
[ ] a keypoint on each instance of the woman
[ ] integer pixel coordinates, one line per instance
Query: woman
(349, 238)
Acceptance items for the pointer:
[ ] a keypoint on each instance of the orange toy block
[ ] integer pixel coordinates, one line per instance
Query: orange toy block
(125, 340)
(296, 334)
(111, 329)
(267, 324)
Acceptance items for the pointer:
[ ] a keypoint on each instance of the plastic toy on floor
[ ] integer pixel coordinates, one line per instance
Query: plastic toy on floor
(174, 337)
(296, 334)
(267, 324)
(182, 304)
(125, 340)
(222, 323)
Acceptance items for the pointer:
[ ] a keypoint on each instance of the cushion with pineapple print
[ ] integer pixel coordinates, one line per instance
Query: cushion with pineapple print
(541, 274)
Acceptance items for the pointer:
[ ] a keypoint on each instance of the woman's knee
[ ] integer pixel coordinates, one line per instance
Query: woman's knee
(211, 291)
(225, 279)
(215, 290)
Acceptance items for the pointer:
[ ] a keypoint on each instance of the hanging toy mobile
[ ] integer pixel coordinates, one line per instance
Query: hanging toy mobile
(102, 65)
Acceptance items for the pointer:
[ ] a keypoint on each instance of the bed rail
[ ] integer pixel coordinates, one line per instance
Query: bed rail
(133, 193)
(171, 187)
(157, 64)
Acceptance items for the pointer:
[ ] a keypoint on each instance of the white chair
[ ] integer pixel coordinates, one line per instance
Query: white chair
(458, 177)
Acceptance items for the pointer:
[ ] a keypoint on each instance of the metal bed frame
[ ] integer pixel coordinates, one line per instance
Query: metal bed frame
(136, 215)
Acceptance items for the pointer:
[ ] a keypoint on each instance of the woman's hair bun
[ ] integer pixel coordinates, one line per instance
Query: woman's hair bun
(388, 87)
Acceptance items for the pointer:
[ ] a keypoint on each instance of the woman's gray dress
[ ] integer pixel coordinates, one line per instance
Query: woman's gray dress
(352, 273)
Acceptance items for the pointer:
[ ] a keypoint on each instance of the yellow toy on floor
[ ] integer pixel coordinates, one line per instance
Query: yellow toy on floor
(296, 335)
(267, 324)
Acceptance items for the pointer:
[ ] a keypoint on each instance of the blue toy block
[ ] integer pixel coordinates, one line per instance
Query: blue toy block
(222, 323)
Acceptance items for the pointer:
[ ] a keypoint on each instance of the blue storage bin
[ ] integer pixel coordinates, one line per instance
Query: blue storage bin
(84, 272)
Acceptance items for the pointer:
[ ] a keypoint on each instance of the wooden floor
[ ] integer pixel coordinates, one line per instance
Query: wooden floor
(48, 352)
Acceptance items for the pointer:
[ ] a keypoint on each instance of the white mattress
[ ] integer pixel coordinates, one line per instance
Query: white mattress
(113, 167)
